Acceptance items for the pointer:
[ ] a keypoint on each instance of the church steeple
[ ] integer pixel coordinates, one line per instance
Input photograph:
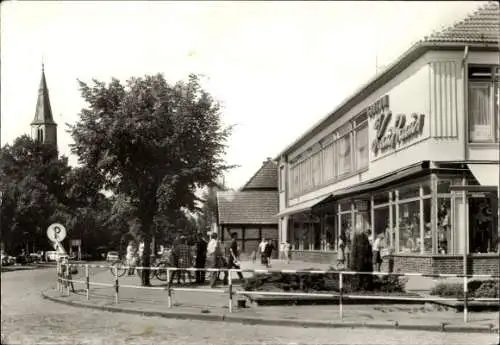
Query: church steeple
(43, 126)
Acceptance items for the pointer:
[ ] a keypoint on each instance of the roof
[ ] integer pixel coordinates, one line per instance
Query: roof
(43, 112)
(481, 26)
(247, 207)
(480, 30)
(265, 178)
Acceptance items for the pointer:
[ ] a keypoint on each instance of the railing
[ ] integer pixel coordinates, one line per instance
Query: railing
(65, 282)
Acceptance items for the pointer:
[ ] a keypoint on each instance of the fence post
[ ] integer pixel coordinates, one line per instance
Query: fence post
(66, 277)
(57, 277)
(87, 280)
(169, 288)
(230, 282)
(341, 291)
(465, 299)
(116, 284)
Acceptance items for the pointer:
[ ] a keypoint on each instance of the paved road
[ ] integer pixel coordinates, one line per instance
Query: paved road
(28, 319)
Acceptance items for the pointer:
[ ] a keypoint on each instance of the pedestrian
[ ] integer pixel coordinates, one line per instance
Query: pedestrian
(201, 257)
(234, 255)
(185, 259)
(287, 253)
(376, 247)
(262, 251)
(174, 261)
(215, 258)
(341, 253)
(268, 252)
(130, 257)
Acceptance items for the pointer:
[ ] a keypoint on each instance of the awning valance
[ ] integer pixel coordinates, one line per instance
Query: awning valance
(374, 184)
(485, 174)
(303, 206)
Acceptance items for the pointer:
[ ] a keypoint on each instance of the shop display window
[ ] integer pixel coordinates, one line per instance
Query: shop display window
(408, 192)
(346, 228)
(381, 221)
(444, 226)
(381, 198)
(330, 235)
(427, 226)
(443, 186)
(409, 227)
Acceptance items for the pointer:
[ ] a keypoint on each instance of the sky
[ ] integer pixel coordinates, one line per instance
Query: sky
(276, 67)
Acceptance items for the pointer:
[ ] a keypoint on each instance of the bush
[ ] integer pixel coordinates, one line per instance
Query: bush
(361, 261)
(476, 288)
(488, 289)
(321, 282)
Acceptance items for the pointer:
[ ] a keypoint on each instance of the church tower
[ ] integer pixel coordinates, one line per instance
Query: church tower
(43, 127)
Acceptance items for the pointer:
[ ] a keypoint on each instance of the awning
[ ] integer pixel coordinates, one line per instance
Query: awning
(303, 206)
(485, 174)
(368, 186)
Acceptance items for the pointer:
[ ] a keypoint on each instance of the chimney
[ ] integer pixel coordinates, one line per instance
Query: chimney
(268, 159)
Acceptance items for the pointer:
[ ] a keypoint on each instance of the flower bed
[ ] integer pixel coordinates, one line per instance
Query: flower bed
(317, 283)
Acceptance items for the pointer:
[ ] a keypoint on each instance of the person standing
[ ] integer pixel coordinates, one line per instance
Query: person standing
(376, 247)
(131, 257)
(262, 251)
(201, 257)
(286, 251)
(215, 257)
(234, 255)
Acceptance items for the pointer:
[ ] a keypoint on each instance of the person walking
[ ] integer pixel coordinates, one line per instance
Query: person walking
(234, 255)
(376, 247)
(287, 252)
(201, 257)
(268, 252)
(185, 259)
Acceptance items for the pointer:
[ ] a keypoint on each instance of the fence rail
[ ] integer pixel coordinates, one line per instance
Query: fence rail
(65, 283)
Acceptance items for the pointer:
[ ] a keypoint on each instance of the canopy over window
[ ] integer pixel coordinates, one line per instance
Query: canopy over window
(485, 174)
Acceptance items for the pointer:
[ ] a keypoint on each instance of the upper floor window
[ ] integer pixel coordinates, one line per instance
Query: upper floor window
(361, 141)
(344, 151)
(484, 96)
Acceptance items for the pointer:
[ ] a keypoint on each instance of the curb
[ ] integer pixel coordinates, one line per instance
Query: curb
(281, 322)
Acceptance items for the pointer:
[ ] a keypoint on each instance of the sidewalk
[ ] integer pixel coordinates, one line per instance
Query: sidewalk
(213, 305)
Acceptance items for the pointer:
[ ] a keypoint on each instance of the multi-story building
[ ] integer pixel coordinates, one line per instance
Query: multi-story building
(413, 154)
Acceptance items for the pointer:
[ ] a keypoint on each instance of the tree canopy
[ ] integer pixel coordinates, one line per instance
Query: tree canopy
(153, 142)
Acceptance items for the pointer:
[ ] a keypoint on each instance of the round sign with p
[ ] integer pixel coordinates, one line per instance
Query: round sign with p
(56, 232)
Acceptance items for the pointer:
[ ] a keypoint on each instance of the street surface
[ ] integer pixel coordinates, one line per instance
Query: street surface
(28, 319)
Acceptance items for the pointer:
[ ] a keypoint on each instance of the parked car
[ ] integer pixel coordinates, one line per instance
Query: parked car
(7, 259)
(112, 256)
(51, 255)
(35, 257)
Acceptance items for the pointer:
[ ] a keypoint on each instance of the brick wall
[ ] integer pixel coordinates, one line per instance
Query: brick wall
(428, 264)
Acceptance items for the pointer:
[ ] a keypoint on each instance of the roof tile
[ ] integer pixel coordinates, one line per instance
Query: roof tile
(265, 178)
(247, 207)
(482, 26)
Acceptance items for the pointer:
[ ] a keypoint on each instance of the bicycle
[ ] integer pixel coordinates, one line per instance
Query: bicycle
(120, 267)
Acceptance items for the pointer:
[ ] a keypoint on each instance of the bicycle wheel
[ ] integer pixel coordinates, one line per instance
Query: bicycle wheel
(120, 270)
(161, 273)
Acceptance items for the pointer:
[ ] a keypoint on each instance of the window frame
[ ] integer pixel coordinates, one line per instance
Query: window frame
(493, 84)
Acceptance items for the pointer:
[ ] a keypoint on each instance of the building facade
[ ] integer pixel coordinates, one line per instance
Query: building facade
(413, 154)
(251, 211)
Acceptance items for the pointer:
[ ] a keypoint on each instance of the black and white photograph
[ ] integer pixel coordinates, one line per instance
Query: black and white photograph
(250, 172)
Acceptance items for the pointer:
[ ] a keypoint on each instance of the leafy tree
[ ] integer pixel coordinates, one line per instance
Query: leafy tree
(151, 141)
(32, 181)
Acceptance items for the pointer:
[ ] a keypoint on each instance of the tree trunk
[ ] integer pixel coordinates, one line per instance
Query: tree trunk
(146, 222)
